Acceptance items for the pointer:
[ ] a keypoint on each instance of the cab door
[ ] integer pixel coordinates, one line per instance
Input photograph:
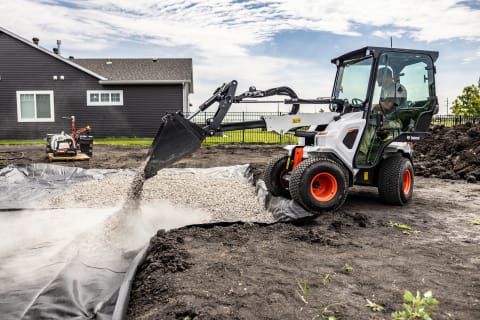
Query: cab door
(413, 79)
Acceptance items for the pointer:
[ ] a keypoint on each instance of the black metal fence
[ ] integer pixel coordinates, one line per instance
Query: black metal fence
(246, 136)
(453, 120)
(259, 136)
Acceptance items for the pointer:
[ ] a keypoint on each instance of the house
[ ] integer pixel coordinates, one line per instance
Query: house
(116, 97)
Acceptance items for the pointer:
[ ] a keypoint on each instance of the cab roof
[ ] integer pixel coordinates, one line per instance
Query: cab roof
(376, 51)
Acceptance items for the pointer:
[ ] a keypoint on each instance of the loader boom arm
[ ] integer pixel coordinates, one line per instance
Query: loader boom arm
(225, 96)
(178, 136)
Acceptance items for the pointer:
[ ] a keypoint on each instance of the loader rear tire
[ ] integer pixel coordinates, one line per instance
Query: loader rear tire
(273, 177)
(395, 182)
(319, 184)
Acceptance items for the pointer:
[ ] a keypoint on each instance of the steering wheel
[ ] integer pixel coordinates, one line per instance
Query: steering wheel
(356, 102)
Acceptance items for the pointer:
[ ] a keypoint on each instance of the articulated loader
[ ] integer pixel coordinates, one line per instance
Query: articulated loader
(383, 100)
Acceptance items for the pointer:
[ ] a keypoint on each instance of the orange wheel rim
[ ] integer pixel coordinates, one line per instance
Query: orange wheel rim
(324, 187)
(407, 181)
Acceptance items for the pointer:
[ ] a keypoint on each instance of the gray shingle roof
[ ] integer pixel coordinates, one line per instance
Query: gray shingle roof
(141, 70)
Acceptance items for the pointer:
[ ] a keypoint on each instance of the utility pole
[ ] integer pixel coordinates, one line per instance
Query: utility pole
(447, 106)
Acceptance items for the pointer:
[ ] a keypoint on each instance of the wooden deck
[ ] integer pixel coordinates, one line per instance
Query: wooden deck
(79, 157)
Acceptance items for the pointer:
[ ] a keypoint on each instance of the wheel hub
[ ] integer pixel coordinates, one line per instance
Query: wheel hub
(323, 187)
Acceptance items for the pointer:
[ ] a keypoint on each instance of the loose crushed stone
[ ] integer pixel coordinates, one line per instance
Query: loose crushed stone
(225, 198)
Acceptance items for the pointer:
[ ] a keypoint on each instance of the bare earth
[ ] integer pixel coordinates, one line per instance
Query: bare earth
(250, 271)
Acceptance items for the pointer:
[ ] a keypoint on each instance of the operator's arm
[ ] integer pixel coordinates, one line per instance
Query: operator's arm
(391, 121)
(383, 106)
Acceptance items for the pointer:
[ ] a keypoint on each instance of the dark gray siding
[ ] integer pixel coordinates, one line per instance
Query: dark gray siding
(23, 67)
(143, 107)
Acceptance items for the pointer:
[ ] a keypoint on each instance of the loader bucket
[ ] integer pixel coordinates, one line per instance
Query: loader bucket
(176, 138)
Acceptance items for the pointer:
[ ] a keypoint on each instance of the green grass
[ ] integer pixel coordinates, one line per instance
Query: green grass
(124, 141)
(251, 136)
(21, 142)
(238, 136)
(110, 141)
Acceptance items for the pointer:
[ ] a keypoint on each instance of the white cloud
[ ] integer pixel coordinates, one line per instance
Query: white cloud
(218, 33)
(387, 33)
(230, 26)
(472, 58)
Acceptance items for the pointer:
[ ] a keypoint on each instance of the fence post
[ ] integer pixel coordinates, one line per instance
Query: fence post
(243, 130)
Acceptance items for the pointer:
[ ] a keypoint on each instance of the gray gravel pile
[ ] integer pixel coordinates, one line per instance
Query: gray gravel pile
(224, 194)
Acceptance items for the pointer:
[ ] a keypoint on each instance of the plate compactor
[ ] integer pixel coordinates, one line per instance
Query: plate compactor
(76, 146)
(383, 100)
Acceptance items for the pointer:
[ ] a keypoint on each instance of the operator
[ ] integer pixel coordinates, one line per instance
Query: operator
(392, 94)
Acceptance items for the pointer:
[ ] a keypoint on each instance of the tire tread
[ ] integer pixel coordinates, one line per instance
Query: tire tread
(296, 183)
(390, 182)
(269, 176)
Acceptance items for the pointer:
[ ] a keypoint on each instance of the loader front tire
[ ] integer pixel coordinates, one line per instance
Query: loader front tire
(273, 177)
(395, 182)
(319, 184)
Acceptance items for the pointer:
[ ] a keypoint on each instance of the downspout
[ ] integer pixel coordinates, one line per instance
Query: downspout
(185, 97)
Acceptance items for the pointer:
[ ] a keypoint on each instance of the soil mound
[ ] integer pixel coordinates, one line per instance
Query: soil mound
(450, 153)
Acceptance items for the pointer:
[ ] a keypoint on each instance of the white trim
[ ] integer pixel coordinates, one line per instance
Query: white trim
(114, 82)
(140, 82)
(100, 103)
(52, 109)
(185, 98)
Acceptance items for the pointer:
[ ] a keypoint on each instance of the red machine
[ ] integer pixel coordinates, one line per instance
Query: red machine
(76, 146)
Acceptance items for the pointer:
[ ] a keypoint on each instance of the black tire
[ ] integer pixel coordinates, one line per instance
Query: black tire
(273, 174)
(395, 181)
(319, 184)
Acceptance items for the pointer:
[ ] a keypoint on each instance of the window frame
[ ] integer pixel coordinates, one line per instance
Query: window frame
(36, 119)
(104, 103)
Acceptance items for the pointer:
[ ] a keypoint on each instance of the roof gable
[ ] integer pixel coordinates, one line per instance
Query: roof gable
(56, 56)
(126, 71)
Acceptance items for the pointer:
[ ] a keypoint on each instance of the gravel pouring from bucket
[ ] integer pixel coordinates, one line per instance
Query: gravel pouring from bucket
(176, 138)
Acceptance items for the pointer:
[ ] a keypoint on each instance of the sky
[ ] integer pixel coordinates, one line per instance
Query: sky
(261, 43)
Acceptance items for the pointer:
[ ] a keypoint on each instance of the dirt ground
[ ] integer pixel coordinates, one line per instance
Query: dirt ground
(252, 271)
(128, 157)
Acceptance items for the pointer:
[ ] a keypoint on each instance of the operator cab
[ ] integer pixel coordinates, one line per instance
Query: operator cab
(395, 90)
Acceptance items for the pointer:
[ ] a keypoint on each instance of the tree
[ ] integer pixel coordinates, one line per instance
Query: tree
(468, 103)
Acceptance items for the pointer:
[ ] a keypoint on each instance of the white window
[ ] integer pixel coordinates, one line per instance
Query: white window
(104, 97)
(35, 106)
